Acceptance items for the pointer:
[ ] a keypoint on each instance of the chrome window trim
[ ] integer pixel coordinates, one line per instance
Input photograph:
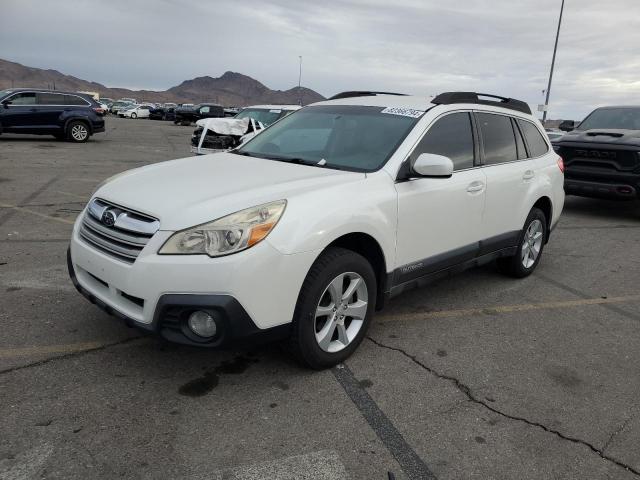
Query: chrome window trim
(87, 103)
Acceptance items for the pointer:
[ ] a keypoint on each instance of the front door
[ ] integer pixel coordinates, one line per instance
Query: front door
(18, 114)
(439, 219)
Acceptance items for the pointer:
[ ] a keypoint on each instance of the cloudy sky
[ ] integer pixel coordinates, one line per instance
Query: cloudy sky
(415, 46)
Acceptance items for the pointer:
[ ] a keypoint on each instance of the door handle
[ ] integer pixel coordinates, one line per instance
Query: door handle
(475, 187)
(528, 175)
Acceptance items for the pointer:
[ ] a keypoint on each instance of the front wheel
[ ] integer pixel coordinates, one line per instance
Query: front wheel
(530, 245)
(133, 115)
(334, 308)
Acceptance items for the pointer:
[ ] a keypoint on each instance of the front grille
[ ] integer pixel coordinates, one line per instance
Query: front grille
(600, 157)
(117, 231)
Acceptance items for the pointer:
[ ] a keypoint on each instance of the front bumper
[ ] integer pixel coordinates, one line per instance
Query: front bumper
(253, 291)
(616, 189)
(172, 311)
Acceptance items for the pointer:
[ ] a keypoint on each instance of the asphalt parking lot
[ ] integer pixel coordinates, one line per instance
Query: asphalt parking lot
(478, 376)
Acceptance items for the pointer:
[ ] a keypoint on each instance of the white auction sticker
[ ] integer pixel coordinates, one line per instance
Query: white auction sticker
(405, 112)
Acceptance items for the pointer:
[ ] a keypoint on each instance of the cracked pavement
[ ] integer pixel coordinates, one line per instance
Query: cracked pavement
(477, 376)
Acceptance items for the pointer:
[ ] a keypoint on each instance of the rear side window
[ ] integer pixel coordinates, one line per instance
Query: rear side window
(498, 138)
(25, 98)
(73, 100)
(537, 144)
(50, 99)
(452, 137)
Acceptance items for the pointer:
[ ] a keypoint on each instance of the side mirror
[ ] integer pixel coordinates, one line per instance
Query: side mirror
(567, 125)
(432, 165)
(6, 103)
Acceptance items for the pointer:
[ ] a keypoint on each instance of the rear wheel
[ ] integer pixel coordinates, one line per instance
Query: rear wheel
(334, 308)
(530, 245)
(77, 131)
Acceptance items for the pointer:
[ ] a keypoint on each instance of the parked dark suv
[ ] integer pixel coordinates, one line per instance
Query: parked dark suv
(602, 154)
(65, 115)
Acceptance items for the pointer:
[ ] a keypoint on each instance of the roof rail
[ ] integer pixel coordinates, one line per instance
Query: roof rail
(363, 93)
(448, 98)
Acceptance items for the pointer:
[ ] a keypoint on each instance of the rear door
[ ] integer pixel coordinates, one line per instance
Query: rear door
(50, 107)
(439, 219)
(19, 114)
(510, 175)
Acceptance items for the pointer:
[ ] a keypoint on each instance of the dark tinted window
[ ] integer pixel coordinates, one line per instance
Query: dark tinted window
(73, 100)
(452, 137)
(522, 151)
(537, 144)
(25, 98)
(50, 99)
(498, 138)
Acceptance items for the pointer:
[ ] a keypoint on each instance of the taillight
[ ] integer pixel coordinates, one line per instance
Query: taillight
(561, 164)
(98, 110)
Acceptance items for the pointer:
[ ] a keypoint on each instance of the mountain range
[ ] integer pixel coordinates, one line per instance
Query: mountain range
(231, 89)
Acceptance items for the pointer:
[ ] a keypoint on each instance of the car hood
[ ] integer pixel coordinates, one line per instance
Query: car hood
(194, 190)
(602, 135)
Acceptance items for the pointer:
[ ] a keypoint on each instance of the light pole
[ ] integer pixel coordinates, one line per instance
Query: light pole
(300, 80)
(553, 61)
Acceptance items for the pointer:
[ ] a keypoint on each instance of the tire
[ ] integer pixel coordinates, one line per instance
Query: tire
(78, 131)
(134, 115)
(322, 341)
(531, 239)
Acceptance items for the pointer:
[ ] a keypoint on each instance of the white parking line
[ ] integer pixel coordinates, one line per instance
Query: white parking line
(321, 465)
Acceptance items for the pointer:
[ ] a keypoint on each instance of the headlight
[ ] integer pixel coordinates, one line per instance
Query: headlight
(230, 234)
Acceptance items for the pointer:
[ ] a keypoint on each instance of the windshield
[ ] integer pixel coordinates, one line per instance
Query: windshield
(617, 118)
(345, 137)
(262, 115)
(4, 93)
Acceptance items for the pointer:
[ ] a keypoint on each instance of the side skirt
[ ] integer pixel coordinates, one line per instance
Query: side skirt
(398, 288)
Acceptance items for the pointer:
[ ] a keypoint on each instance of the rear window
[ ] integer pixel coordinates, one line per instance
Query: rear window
(537, 144)
(262, 115)
(498, 138)
(50, 99)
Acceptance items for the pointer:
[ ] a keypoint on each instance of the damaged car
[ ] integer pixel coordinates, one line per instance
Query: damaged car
(217, 135)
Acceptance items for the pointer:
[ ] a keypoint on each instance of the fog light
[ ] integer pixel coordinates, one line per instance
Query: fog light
(202, 324)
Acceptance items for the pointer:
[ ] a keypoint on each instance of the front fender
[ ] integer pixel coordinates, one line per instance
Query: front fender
(314, 220)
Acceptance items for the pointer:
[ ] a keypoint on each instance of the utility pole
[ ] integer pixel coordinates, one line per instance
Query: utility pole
(300, 80)
(553, 61)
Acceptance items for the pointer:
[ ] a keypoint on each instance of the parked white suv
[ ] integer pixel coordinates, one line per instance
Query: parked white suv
(306, 229)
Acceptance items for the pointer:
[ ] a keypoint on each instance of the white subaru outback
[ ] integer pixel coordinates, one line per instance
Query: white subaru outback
(305, 230)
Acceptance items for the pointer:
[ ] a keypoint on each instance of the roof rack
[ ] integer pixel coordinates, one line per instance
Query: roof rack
(448, 98)
(363, 93)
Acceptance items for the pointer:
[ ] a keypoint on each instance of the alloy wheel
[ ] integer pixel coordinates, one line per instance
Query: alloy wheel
(79, 132)
(341, 312)
(532, 243)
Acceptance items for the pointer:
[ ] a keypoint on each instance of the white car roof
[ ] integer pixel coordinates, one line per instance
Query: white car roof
(416, 103)
(274, 107)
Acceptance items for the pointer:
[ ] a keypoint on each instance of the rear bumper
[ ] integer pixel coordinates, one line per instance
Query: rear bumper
(627, 190)
(172, 311)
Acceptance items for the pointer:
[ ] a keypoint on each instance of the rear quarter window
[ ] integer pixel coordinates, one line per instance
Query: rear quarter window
(537, 144)
(73, 100)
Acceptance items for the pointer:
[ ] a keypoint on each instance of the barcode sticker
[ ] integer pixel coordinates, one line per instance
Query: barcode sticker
(405, 112)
